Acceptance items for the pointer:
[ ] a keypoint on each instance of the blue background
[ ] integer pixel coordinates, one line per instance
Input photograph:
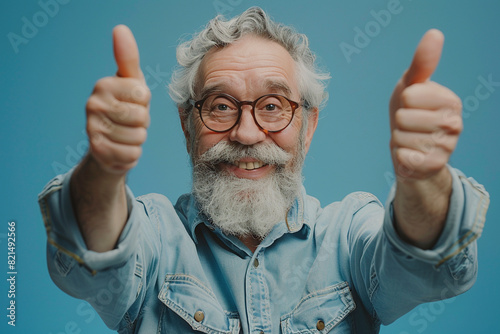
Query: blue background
(46, 83)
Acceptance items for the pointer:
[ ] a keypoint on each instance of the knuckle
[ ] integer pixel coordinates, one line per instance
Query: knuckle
(399, 156)
(450, 145)
(457, 125)
(440, 161)
(457, 103)
(134, 153)
(143, 135)
(98, 146)
(91, 124)
(143, 117)
(407, 95)
(103, 84)
(141, 94)
(399, 117)
(96, 139)
(395, 136)
(452, 122)
(94, 104)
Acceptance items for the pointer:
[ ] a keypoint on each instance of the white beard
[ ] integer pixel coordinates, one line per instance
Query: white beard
(243, 206)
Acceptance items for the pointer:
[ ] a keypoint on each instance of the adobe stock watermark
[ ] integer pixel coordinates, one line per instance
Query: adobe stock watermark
(371, 29)
(109, 293)
(296, 274)
(424, 315)
(225, 7)
(30, 26)
(483, 91)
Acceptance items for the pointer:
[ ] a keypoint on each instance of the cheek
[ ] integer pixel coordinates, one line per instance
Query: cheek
(288, 139)
(205, 139)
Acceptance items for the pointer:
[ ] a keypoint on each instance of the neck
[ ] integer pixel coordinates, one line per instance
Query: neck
(251, 242)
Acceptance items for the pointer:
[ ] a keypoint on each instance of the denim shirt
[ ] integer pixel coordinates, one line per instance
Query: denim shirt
(337, 269)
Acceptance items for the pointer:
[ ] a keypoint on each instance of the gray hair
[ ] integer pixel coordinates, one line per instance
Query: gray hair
(221, 32)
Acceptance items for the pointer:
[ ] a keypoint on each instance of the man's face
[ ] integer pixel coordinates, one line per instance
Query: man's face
(247, 69)
(245, 179)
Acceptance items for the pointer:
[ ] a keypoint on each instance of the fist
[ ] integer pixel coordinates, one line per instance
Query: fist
(425, 117)
(118, 109)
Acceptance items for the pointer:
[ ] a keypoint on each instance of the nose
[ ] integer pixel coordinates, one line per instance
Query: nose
(247, 132)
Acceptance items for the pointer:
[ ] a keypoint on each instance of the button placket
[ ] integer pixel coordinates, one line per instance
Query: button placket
(258, 296)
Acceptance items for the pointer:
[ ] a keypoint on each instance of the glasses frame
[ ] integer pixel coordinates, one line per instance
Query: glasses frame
(199, 104)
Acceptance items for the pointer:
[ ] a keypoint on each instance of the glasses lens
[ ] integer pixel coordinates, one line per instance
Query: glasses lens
(219, 113)
(273, 112)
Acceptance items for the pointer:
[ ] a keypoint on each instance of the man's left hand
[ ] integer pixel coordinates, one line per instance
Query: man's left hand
(425, 124)
(425, 116)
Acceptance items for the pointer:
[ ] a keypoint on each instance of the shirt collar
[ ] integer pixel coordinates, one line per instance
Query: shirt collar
(296, 222)
(297, 219)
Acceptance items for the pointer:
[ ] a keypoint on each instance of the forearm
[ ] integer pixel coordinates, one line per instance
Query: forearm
(421, 207)
(99, 204)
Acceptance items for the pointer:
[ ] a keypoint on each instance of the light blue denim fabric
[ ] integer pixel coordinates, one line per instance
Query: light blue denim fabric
(337, 269)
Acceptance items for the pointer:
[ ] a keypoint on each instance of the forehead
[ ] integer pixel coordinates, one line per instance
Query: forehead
(252, 65)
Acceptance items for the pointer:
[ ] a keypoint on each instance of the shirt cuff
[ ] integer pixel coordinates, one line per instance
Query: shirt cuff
(64, 234)
(464, 223)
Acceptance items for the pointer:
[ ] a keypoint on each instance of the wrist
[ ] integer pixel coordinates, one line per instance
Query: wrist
(421, 207)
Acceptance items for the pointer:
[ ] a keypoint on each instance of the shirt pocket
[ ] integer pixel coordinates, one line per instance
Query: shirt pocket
(197, 305)
(322, 311)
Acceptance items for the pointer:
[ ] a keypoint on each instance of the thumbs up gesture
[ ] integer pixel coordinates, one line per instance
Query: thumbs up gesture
(425, 117)
(118, 109)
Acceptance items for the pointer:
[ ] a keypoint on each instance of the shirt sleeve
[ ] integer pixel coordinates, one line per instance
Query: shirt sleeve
(112, 282)
(394, 276)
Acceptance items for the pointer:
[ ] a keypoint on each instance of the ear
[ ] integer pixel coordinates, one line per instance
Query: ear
(312, 124)
(183, 118)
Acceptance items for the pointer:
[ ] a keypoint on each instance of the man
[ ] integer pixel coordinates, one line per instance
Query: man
(248, 250)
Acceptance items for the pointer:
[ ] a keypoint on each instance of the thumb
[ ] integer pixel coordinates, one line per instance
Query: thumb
(426, 57)
(126, 53)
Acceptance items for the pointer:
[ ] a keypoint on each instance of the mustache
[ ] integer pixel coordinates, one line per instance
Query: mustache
(229, 152)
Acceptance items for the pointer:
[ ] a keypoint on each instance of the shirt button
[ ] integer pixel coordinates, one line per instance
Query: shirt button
(256, 262)
(199, 316)
(320, 325)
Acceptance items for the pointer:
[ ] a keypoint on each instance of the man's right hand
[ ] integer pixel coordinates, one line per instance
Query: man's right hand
(117, 118)
(118, 109)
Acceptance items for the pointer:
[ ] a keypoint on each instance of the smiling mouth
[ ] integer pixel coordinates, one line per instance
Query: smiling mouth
(249, 165)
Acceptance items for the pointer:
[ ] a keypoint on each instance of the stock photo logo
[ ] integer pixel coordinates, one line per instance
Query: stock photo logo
(482, 92)
(226, 6)
(31, 26)
(363, 37)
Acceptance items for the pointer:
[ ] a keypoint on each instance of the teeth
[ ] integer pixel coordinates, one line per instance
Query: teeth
(249, 165)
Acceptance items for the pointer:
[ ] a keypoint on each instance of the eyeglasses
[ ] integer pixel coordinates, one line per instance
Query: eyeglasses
(221, 112)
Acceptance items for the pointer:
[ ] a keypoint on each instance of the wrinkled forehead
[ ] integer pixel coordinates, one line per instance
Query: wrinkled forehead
(250, 65)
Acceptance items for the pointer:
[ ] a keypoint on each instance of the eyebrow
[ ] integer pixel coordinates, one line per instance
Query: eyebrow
(205, 91)
(272, 85)
(278, 86)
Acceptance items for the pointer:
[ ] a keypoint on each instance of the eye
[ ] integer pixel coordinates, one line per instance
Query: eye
(270, 107)
(222, 107)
